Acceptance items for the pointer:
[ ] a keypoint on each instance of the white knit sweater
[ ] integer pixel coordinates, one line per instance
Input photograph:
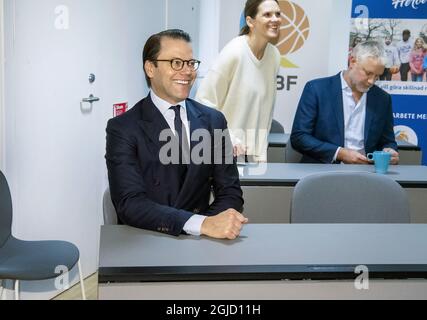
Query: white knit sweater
(244, 89)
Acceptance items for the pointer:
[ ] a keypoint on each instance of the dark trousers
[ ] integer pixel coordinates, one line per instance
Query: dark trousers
(404, 69)
(386, 75)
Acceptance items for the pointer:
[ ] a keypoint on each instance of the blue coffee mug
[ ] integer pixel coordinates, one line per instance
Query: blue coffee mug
(381, 160)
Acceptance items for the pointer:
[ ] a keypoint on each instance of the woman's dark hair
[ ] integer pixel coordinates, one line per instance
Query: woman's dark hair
(251, 10)
(153, 45)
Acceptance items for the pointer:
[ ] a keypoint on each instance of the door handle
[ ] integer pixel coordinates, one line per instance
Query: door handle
(91, 99)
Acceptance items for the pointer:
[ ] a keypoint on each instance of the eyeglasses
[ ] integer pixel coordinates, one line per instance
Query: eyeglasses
(178, 64)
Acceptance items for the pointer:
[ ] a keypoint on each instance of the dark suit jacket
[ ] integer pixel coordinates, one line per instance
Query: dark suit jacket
(148, 194)
(318, 128)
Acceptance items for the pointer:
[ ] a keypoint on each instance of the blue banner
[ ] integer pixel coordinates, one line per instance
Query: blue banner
(390, 9)
(401, 25)
(410, 119)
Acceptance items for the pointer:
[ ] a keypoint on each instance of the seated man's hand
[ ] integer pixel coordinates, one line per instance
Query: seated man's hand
(394, 155)
(348, 156)
(239, 150)
(225, 225)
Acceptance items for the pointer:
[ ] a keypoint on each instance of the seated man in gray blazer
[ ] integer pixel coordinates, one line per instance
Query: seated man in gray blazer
(173, 198)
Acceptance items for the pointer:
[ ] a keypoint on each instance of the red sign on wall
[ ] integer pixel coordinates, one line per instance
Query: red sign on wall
(120, 108)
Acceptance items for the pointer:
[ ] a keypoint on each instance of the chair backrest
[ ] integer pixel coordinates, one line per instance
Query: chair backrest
(276, 127)
(291, 155)
(349, 197)
(109, 212)
(5, 210)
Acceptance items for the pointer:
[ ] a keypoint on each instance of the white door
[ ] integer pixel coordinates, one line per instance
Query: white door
(54, 149)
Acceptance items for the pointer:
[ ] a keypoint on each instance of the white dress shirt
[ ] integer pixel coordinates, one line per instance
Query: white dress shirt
(194, 225)
(354, 120)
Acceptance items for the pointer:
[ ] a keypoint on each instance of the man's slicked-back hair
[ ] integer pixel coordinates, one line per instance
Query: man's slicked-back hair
(153, 45)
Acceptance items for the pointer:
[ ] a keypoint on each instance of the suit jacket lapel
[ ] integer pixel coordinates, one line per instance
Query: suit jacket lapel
(337, 104)
(153, 123)
(196, 119)
(370, 105)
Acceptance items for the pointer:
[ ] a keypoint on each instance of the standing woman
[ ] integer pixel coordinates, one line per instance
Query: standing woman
(242, 83)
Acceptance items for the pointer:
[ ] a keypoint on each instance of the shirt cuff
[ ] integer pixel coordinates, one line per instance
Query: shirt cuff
(336, 155)
(193, 226)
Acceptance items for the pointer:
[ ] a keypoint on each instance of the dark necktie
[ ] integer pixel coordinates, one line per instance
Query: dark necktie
(182, 136)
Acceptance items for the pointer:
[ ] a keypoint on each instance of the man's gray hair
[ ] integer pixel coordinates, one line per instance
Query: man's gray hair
(370, 49)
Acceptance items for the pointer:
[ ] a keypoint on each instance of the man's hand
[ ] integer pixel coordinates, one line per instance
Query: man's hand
(394, 155)
(225, 225)
(348, 156)
(239, 150)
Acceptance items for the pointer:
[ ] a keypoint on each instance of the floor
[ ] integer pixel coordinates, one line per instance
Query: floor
(74, 293)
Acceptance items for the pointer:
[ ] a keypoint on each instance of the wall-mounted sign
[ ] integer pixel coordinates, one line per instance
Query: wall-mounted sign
(120, 108)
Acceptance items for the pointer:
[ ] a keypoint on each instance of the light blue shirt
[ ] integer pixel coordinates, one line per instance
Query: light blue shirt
(354, 120)
(194, 225)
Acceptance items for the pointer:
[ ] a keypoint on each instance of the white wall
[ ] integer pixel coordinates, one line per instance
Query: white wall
(230, 12)
(209, 35)
(184, 14)
(219, 23)
(339, 35)
(2, 127)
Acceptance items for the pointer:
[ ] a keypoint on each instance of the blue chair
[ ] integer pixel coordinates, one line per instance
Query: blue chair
(30, 260)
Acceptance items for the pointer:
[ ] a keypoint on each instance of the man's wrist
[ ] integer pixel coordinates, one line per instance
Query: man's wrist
(336, 155)
(193, 226)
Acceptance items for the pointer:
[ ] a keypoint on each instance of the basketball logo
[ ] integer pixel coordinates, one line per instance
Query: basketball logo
(407, 134)
(294, 31)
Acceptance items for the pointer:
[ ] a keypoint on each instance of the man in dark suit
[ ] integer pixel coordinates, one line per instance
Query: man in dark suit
(344, 117)
(150, 186)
